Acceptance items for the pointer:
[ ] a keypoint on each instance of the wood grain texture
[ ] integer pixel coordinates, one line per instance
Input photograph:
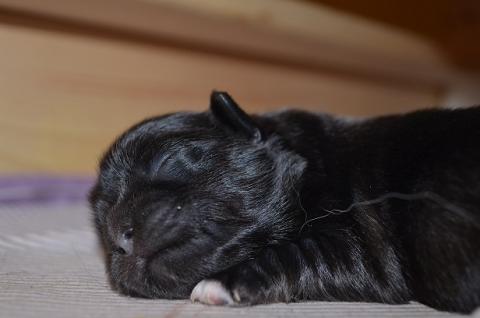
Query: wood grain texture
(63, 97)
(427, 18)
(284, 31)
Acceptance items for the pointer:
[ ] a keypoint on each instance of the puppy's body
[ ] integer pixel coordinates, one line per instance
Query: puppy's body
(295, 206)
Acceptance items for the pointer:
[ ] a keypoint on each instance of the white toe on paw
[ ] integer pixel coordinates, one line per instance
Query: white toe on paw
(211, 292)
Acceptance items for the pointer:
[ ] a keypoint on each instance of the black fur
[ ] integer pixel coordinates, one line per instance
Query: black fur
(251, 201)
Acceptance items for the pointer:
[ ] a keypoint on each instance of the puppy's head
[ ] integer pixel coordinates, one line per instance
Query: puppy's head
(183, 196)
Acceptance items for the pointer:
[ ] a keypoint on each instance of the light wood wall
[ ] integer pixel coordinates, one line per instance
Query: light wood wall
(68, 86)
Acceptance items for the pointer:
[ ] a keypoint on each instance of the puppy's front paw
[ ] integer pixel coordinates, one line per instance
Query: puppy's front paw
(211, 292)
(241, 285)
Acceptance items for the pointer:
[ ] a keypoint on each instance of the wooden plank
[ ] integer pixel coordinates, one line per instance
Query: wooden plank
(457, 38)
(279, 31)
(63, 98)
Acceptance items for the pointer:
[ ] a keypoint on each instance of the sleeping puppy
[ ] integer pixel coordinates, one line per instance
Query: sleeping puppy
(228, 208)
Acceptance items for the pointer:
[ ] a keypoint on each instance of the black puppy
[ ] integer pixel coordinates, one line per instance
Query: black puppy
(294, 206)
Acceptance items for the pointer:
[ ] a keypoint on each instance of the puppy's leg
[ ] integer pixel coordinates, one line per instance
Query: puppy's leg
(240, 285)
(265, 279)
(304, 271)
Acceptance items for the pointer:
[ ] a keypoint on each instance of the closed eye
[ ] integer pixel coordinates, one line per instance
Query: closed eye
(181, 164)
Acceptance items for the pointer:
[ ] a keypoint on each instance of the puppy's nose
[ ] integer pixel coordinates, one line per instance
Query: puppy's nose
(125, 242)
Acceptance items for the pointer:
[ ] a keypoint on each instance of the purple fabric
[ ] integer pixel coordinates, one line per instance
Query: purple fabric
(43, 189)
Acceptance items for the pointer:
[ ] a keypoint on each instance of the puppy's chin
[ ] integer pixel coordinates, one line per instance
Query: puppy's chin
(147, 278)
(128, 275)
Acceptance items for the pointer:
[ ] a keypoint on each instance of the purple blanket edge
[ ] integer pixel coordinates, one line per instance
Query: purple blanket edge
(16, 190)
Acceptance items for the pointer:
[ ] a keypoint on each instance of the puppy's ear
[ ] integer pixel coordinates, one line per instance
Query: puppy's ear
(227, 112)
